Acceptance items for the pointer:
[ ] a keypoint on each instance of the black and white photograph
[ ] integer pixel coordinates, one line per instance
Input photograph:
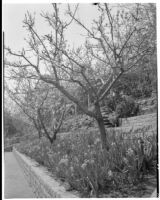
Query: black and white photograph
(80, 100)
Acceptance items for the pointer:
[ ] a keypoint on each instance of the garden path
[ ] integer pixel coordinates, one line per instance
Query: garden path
(15, 183)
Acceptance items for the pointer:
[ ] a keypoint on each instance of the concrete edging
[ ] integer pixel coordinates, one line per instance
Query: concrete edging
(43, 185)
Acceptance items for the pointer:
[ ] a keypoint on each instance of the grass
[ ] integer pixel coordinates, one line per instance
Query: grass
(79, 160)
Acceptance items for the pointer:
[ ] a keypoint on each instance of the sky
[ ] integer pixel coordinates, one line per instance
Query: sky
(13, 16)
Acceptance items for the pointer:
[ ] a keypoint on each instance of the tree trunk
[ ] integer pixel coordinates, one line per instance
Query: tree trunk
(100, 122)
(104, 140)
(75, 110)
(39, 134)
(88, 101)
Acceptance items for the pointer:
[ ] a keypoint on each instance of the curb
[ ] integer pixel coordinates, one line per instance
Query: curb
(40, 180)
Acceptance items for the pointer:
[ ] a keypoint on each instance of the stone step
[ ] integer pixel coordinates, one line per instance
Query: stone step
(105, 113)
(108, 124)
(105, 118)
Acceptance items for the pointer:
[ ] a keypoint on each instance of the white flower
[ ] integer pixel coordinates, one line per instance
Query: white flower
(110, 174)
(147, 148)
(84, 165)
(76, 160)
(85, 154)
(66, 156)
(86, 161)
(72, 169)
(125, 160)
(63, 161)
(130, 152)
(113, 144)
(97, 141)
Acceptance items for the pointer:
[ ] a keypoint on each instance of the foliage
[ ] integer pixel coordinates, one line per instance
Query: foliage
(79, 160)
(13, 125)
(121, 106)
(114, 119)
(76, 122)
(127, 108)
(9, 128)
(112, 100)
(138, 84)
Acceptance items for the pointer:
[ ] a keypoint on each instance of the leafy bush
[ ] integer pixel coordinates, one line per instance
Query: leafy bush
(147, 90)
(112, 101)
(76, 122)
(138, 84)
(114, 119)
(9, 127)
(127, 108)
(79, 160)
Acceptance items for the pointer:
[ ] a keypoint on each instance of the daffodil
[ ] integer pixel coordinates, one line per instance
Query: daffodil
(110, 174)
(130, 152)
(84, 165)
(64, 161)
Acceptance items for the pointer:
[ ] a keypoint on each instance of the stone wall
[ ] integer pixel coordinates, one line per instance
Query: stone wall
(43, 185)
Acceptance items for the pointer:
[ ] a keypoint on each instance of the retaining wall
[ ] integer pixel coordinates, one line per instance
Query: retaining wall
(43, 185)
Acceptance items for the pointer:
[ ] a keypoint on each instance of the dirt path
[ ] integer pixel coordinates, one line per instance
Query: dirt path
(15, 184)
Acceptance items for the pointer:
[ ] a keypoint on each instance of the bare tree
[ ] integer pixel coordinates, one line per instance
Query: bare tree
(55, 126)
(36, 103)
(118, 40)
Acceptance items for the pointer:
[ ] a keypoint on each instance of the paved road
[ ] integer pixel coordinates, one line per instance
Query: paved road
(15, 183)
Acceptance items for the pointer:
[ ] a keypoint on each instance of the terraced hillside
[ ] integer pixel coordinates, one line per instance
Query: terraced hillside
(142, 120)
(143, 124)
(139, 124)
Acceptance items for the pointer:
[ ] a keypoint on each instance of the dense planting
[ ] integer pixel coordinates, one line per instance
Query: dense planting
(79, 160)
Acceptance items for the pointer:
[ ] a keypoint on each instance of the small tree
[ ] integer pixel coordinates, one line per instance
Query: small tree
(55, 127)
(118, 41)
(46, 113)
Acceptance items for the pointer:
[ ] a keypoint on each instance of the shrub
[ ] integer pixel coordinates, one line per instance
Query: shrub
(127, 108)
(147, 90)
(112, 101)
(138, 84)
(76, 122)
(114, 119)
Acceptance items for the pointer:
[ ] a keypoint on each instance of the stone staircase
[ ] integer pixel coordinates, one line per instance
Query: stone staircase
(137, 122)
(105, 114)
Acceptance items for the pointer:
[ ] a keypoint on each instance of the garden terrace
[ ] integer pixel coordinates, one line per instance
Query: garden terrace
(78, 159)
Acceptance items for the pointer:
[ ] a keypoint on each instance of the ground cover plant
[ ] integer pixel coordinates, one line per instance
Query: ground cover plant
(79, 160)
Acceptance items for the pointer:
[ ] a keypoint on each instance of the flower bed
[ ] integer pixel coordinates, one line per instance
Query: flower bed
(79, 160)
